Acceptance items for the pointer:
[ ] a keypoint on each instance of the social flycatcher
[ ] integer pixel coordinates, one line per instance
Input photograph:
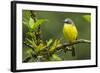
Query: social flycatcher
(70, 32)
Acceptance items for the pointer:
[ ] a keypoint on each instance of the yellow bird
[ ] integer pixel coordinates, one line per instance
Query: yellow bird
(70, 32)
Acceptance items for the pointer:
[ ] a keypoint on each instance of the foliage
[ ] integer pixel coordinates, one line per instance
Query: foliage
(87, 17)
(35, 46)
(33, 25)
(42, 50)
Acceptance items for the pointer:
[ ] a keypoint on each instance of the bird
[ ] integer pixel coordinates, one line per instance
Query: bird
(70, 33)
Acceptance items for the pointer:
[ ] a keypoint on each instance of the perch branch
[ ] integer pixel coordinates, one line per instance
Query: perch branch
(64, 45)
(76, 42)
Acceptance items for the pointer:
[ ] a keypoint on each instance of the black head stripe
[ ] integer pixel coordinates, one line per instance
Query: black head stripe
(68, 21)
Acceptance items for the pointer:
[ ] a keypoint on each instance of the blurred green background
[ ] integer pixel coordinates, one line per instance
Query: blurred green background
(53, 28)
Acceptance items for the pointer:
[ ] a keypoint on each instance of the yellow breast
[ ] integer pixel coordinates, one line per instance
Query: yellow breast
(70, 32)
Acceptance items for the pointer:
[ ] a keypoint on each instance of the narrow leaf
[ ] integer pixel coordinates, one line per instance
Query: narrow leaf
(31, 22)
(41, 47)
(54, 45)
(56, 57)
(49, 42)
(29, 52)
(32, 43)
(38, 22)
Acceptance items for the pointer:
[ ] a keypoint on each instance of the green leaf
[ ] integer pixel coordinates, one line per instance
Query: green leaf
(32, 35)
(31, 22)
(26, 17)
(49, 42)
(38, 22)
(41, 47)
(54, 45)
(56, 57)
(87, 18)
(29, 52)
(32, 43)
(37, 48)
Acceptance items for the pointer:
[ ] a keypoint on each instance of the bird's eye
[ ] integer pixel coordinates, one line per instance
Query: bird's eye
(68, 21)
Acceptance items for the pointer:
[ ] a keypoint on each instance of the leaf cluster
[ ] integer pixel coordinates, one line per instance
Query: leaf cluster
(39, 50)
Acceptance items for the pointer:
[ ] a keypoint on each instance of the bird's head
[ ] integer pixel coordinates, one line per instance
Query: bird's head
(68, 21)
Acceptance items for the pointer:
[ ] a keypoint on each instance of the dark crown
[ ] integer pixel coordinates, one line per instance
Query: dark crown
(68, 21)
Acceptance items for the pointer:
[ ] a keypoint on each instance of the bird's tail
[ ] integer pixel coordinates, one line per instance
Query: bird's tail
(73, 50)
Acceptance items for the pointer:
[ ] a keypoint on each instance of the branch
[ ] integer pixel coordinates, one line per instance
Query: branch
(33, 15)
(76, 42)
(38, 35)
(64, 45)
